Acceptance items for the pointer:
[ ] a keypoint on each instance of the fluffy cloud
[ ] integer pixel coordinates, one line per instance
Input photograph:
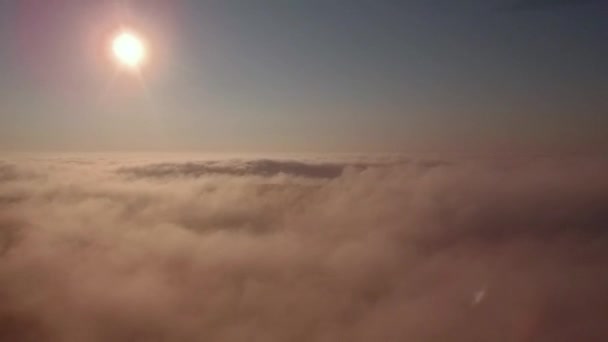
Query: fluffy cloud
(302, 249)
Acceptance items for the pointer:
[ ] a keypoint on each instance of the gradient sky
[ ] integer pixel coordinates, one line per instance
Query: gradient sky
(308, 75)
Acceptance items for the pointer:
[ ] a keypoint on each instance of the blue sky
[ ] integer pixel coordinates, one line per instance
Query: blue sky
(409, 76)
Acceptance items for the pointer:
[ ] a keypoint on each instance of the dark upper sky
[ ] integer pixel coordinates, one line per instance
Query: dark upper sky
(308, 75)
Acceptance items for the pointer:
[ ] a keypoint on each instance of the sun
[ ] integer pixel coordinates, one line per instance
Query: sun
(128, 49)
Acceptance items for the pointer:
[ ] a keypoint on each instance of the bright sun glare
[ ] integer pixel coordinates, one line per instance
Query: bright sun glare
(128, 49)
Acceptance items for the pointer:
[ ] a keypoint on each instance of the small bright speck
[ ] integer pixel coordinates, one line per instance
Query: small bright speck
(479, 296)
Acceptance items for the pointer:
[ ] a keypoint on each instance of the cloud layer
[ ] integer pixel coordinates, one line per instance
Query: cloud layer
(302, 249)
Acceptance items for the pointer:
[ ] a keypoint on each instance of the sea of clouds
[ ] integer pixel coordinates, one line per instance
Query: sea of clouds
(302, 248)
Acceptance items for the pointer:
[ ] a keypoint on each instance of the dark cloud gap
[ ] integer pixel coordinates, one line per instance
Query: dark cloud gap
(261, 167)
(8, 172)
(11, 172)
(304, 250)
